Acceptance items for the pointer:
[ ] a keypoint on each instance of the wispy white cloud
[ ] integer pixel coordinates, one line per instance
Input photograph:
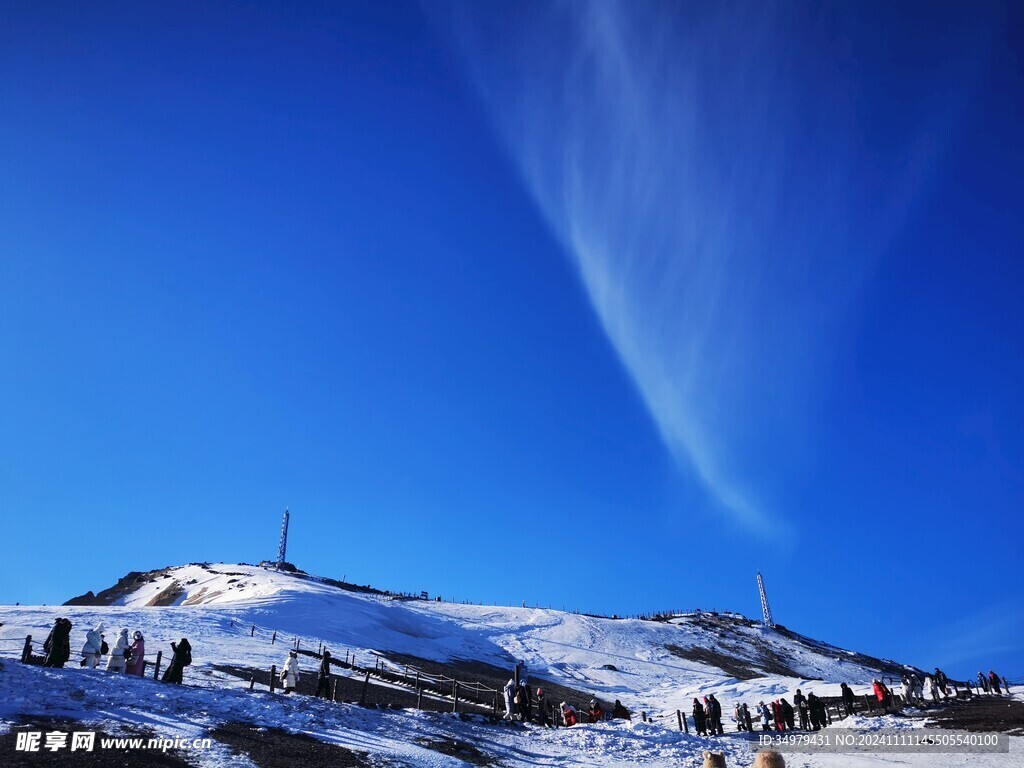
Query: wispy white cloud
(704, 173)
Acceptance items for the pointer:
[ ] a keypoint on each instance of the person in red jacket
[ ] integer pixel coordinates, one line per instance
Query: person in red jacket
(596, 712)
(568, 714)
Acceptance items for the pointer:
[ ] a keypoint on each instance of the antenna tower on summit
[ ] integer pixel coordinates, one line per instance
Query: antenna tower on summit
(282, 548)
(765, 608)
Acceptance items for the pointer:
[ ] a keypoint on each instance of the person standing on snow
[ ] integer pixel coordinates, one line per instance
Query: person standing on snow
(801, 707)
(182, 658)
(290, 672)
(714, 715)
(848, 697)
(136, 655)
(942, 682)
(115, 662)
(569, 718)
(780, 719)
(542, 709)
(323, 678)
(93, 644)
(699, 718)
(766, 716)
(619, 712)
(816, 711)
(509, 692)
(787, 713)
(57, 645)
(993, 681)
(525, 702)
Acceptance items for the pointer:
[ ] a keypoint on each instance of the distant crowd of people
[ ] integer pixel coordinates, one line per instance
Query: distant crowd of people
(124, 657)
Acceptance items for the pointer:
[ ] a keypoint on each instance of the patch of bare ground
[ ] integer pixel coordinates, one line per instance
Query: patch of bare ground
(274, 748)
(982, 713)
(711, 657)
(460, 749)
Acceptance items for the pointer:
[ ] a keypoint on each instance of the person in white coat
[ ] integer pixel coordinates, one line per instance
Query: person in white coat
(510, 692)
(931, 691)
(115, 662)
(91, 649)
(290, 672)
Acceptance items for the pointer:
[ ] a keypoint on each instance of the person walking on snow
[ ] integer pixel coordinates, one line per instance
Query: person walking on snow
(509, 692)
(115, 662)
(181, 658)
(93, 644)
(290, 672)
(323, 677)
(136, 655)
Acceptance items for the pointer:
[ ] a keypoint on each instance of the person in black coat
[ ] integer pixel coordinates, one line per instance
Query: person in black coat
(816, 710)
(525, 702)
(993, 681)
(542, 709)
(323, 679)
(57, 645)
(182, 658)
(787, 713)
(847, 698)
(714, 715)
(699, 719)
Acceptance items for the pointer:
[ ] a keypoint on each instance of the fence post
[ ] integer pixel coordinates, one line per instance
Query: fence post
(419, 696)
(334, 693)
(455, 695)
(252, 682)
(494, 707)
(273, 676)
(156, 669)
(366, 682)
(828, 715)
(679, 717)
(26, 652)
(1006, 686)
(273, 639)
(644, 716)
(252, 632)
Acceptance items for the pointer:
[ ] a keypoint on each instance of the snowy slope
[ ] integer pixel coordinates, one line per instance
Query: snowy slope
(654, 666)
(649, 665)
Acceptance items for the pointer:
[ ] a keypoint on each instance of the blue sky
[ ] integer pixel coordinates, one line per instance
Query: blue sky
(610, 305)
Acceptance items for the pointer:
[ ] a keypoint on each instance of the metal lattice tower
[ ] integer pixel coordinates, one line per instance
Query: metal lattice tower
(765, 608)
(282, 548)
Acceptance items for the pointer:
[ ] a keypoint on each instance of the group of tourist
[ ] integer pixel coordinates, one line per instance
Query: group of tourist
(125, 657)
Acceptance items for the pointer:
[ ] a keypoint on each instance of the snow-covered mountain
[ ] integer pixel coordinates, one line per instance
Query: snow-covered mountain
(654, 665)
(241, 619)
